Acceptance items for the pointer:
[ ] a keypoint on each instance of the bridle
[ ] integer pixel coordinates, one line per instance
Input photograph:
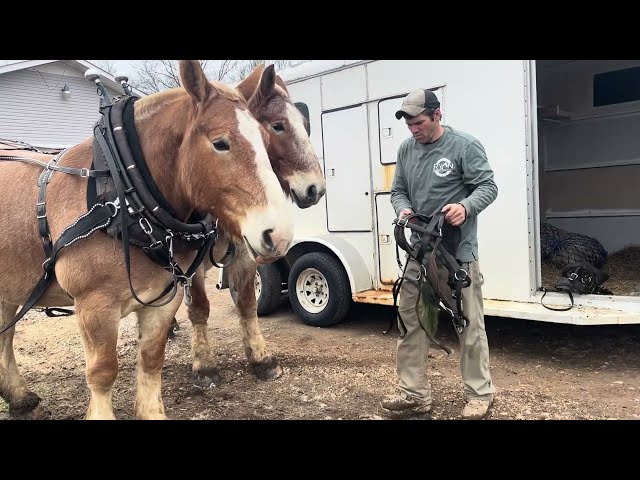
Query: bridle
(431, 249)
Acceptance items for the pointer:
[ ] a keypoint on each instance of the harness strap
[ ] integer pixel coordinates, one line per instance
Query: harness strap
(98, 217)
(120, 138)
(560, 309)
(83, 172)
(156, 250)
(458, 278)
(41, 212)
(227, 259)
(396, 291)
(120, 189)
(188, 276)
(137, 197)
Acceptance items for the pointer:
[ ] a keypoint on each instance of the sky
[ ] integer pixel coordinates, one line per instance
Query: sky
(126, 66)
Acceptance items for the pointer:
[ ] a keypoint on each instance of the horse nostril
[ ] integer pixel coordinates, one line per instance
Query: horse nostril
(311, 192)
(268, 241)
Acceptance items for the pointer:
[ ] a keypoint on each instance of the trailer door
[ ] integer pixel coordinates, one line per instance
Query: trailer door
(345, 145)
(391, 133)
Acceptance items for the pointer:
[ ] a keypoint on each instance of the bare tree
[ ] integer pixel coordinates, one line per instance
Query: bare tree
(107, 66)
(245, 67)
(157, 75)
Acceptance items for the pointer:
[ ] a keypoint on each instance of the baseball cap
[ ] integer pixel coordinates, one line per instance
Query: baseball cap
(417, 102)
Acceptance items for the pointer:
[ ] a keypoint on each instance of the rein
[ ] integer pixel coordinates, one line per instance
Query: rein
(439, 249)
(124, 202)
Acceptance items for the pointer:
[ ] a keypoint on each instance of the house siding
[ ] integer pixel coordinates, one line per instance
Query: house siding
(33, 109)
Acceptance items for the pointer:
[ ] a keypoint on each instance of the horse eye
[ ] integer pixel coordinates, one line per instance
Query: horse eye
(278, 127)
(221, 145)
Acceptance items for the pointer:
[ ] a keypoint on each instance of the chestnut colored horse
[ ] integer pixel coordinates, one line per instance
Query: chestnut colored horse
(202, 151)
(297, 167)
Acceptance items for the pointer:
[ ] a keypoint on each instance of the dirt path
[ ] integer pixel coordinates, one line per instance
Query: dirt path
(541, 371)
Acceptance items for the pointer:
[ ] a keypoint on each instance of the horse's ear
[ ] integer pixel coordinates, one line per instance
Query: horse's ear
(281, 84)
(194, 80)
(268, 81)
(265, 90)
(247, 87)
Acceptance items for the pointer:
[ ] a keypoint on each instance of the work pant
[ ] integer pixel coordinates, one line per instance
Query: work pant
(413, 344)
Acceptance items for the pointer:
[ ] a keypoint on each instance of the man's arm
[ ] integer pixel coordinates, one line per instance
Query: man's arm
(477, 173)
(399, 193)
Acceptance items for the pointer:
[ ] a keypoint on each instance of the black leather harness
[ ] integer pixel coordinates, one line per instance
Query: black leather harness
(437, 244)
(124, 202)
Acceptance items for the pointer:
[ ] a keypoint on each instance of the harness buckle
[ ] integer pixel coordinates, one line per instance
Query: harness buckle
(188, 298)
(465, 274)
(148, 229)
(188, 282)
(115, 205)
(45, 265)
(51, 164)
(423, 271)
(41, 210)
(84, 172)
(402, 222)
(169, 240)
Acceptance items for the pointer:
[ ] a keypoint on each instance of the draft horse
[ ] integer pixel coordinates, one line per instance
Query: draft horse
(151, 163)
(298, 169)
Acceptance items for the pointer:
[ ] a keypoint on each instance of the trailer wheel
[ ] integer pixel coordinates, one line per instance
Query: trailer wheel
(268, 288)
(319, 290)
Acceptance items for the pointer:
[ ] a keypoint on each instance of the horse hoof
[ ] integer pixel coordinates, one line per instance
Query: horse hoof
(38, 413)
(207, 378)
(268, 369)
(25, 405)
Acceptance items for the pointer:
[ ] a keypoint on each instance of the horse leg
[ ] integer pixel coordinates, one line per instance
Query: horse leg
(13, 387)
(153, 323)
(99, 322)
(264, 364)
(204, 368)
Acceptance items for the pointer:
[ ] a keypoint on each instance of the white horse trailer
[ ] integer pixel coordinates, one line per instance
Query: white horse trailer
(561, 137)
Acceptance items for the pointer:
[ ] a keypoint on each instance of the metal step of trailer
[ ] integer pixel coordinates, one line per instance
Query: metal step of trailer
(629, 312)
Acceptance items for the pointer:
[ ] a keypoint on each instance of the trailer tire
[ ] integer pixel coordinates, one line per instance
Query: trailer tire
(319, 290)
(268, 285)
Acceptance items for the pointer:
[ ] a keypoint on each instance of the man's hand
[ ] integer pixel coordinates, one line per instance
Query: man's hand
(404, 212)
(455, 213)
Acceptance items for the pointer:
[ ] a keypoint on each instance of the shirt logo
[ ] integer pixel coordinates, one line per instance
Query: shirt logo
(443, 167)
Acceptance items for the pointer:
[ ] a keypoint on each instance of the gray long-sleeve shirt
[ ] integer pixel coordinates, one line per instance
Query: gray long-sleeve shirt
(453, 169)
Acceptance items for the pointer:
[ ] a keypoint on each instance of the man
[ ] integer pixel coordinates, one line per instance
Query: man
(441, 169)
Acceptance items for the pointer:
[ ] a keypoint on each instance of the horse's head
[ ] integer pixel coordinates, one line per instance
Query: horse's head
(210, 154)
(292, 156)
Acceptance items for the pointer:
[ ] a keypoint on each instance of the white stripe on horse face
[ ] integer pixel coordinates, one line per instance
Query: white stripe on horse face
(276, 216)
(308, 171)
(303, 142)
(250, 129)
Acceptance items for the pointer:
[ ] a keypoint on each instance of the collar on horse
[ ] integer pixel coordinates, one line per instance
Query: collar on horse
(124, 201)
(437, 244)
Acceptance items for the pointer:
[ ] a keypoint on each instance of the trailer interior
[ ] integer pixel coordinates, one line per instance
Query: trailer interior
(588, 146)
